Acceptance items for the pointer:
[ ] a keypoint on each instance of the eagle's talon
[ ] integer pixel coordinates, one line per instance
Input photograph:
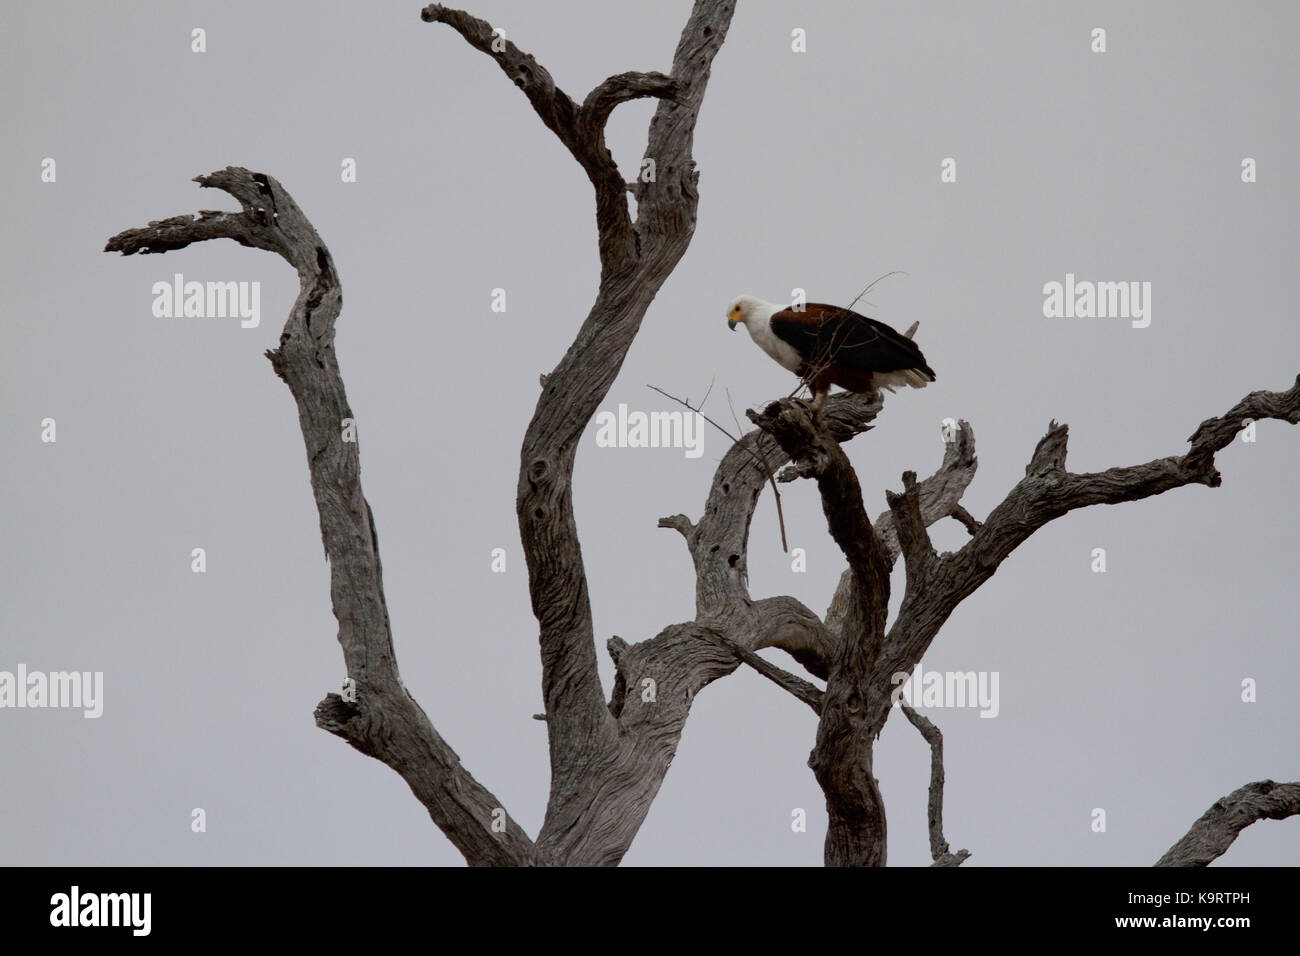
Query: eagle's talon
(815, 406)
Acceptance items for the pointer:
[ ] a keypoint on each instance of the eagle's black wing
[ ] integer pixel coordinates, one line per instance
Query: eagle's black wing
(826, 333)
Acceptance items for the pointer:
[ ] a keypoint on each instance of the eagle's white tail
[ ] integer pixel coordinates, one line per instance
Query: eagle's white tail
(908, 376)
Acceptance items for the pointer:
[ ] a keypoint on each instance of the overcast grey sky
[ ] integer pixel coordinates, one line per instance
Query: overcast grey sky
(818, 170)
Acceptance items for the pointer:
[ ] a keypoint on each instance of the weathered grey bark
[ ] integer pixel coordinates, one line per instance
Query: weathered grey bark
(609, 758)
(940, 852)
(842, 759)
(863, 658)
(599, 790)
(592, 813)
(383, 721)
(1217, 828)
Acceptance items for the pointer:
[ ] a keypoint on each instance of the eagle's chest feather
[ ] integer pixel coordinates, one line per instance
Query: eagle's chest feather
(783, 352)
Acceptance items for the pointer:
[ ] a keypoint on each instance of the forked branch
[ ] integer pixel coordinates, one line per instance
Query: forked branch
(597, 799)
(376, 714)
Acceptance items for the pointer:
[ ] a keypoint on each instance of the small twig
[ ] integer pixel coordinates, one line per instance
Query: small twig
(780, 514)
(732, 405)
(966, 518)
(705, 400)
(685, 403)
(872, 284)
(939, 849)
(680, 524)
(806, 692)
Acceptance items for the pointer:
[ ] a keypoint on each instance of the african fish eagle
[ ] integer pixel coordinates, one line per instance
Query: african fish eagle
(826, 345)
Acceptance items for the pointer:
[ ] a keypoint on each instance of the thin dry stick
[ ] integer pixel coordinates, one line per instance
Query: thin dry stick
(732, 405)
(940, 851)
(705, 400)
(872, 284)
(771, 479)
(780, 515)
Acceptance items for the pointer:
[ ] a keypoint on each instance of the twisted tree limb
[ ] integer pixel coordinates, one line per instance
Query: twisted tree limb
(581, 129)
(595, 808)
(938, 497)
(936, 583)
(382, 720)
(1046, 493)
(598, 798)
(799, 688)
(842, 759)
(687, 657)
(1217, 828)
(940, 852)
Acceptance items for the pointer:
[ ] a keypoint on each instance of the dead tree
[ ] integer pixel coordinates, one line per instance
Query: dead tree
(609, 757)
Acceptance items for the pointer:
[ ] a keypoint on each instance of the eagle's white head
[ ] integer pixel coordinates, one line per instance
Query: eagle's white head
(756, 316)
(747, 308)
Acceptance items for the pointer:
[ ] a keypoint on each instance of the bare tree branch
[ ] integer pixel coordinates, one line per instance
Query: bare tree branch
(616, 90)
(936, 584)
(1217, 828)
(657, 679)
(818, 455)
(801, 689)
(551, 103)
(967, 520)
(842, 759)
(582, 825)
(1215, 434)
(582, 128)
(737, 483)
(381, 719)
(1046, 492)
(940, 852)
(771, 479)
(937, 496)
(719, 544)
(679, 523)
(918, 554)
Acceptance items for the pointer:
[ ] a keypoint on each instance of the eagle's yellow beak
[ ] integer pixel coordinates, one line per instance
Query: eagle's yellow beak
(731, 324)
